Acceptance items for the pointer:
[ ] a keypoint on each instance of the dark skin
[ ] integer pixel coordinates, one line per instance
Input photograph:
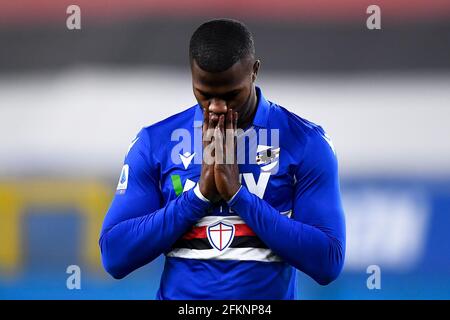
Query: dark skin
(229, 102)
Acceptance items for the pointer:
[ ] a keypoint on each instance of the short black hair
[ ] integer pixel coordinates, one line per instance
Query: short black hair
(218, 44)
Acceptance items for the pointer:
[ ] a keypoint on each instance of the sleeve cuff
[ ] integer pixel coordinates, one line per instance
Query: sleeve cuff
(199, 194)
(243, 202)
(196, 205)
(234, 196)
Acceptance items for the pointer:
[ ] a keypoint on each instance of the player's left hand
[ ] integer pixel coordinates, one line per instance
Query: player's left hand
(226, 170)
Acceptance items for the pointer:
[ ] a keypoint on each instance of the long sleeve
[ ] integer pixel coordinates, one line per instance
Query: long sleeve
(313, 240)
(137, 229)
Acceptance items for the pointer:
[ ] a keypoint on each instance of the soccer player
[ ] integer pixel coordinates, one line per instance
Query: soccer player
(234, 229)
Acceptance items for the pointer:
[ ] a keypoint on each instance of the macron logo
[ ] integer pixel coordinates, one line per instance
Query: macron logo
(186, 158)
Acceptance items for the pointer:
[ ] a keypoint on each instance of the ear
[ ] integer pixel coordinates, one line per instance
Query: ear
(256, 66)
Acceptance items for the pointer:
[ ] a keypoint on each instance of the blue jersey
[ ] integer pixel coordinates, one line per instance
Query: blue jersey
(286, 216)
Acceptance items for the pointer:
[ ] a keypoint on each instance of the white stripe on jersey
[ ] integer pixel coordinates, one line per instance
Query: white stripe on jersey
(242, 254)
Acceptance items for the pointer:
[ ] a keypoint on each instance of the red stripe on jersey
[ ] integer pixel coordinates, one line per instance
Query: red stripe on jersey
(195, 233)
(243, 230)
(200, 232)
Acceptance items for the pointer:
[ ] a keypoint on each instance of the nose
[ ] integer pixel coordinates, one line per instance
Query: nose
(218, 106)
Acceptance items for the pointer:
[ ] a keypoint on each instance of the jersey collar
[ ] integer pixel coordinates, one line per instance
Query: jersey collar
(260, 119)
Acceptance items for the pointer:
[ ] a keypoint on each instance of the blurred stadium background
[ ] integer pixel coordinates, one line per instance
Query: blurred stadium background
(72, 100)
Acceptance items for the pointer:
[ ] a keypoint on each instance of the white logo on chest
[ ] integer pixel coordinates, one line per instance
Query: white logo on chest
(220, 235)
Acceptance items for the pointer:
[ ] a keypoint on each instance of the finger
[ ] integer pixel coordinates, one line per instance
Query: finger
(218, 139)
(220, 126)
(205, 120)
(221, 123)
(213, 140)
(235, 127)
(209, 128)
(230, 145)
(229, 123)
(235, 124)
(208, 138)
(205, 116)
(229, 119)
(211, 124)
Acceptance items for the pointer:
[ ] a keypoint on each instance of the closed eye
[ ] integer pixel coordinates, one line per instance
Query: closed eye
(230, 95)
(205, 95)
(227, 96)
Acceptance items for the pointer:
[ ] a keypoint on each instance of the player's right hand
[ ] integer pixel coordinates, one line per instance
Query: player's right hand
(207, 184)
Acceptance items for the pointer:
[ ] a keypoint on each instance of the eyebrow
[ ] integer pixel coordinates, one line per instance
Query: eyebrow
(229, 93)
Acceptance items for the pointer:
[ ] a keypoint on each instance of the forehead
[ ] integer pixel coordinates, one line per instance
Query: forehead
(232, 77)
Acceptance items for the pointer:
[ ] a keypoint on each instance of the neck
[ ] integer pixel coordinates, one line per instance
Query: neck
(247, 117)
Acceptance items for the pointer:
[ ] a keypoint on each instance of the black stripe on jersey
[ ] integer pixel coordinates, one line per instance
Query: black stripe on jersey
(203, 243)
(247, 242)
(199, 244)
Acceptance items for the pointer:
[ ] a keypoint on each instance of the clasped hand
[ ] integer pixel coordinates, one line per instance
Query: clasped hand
(219, 177)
